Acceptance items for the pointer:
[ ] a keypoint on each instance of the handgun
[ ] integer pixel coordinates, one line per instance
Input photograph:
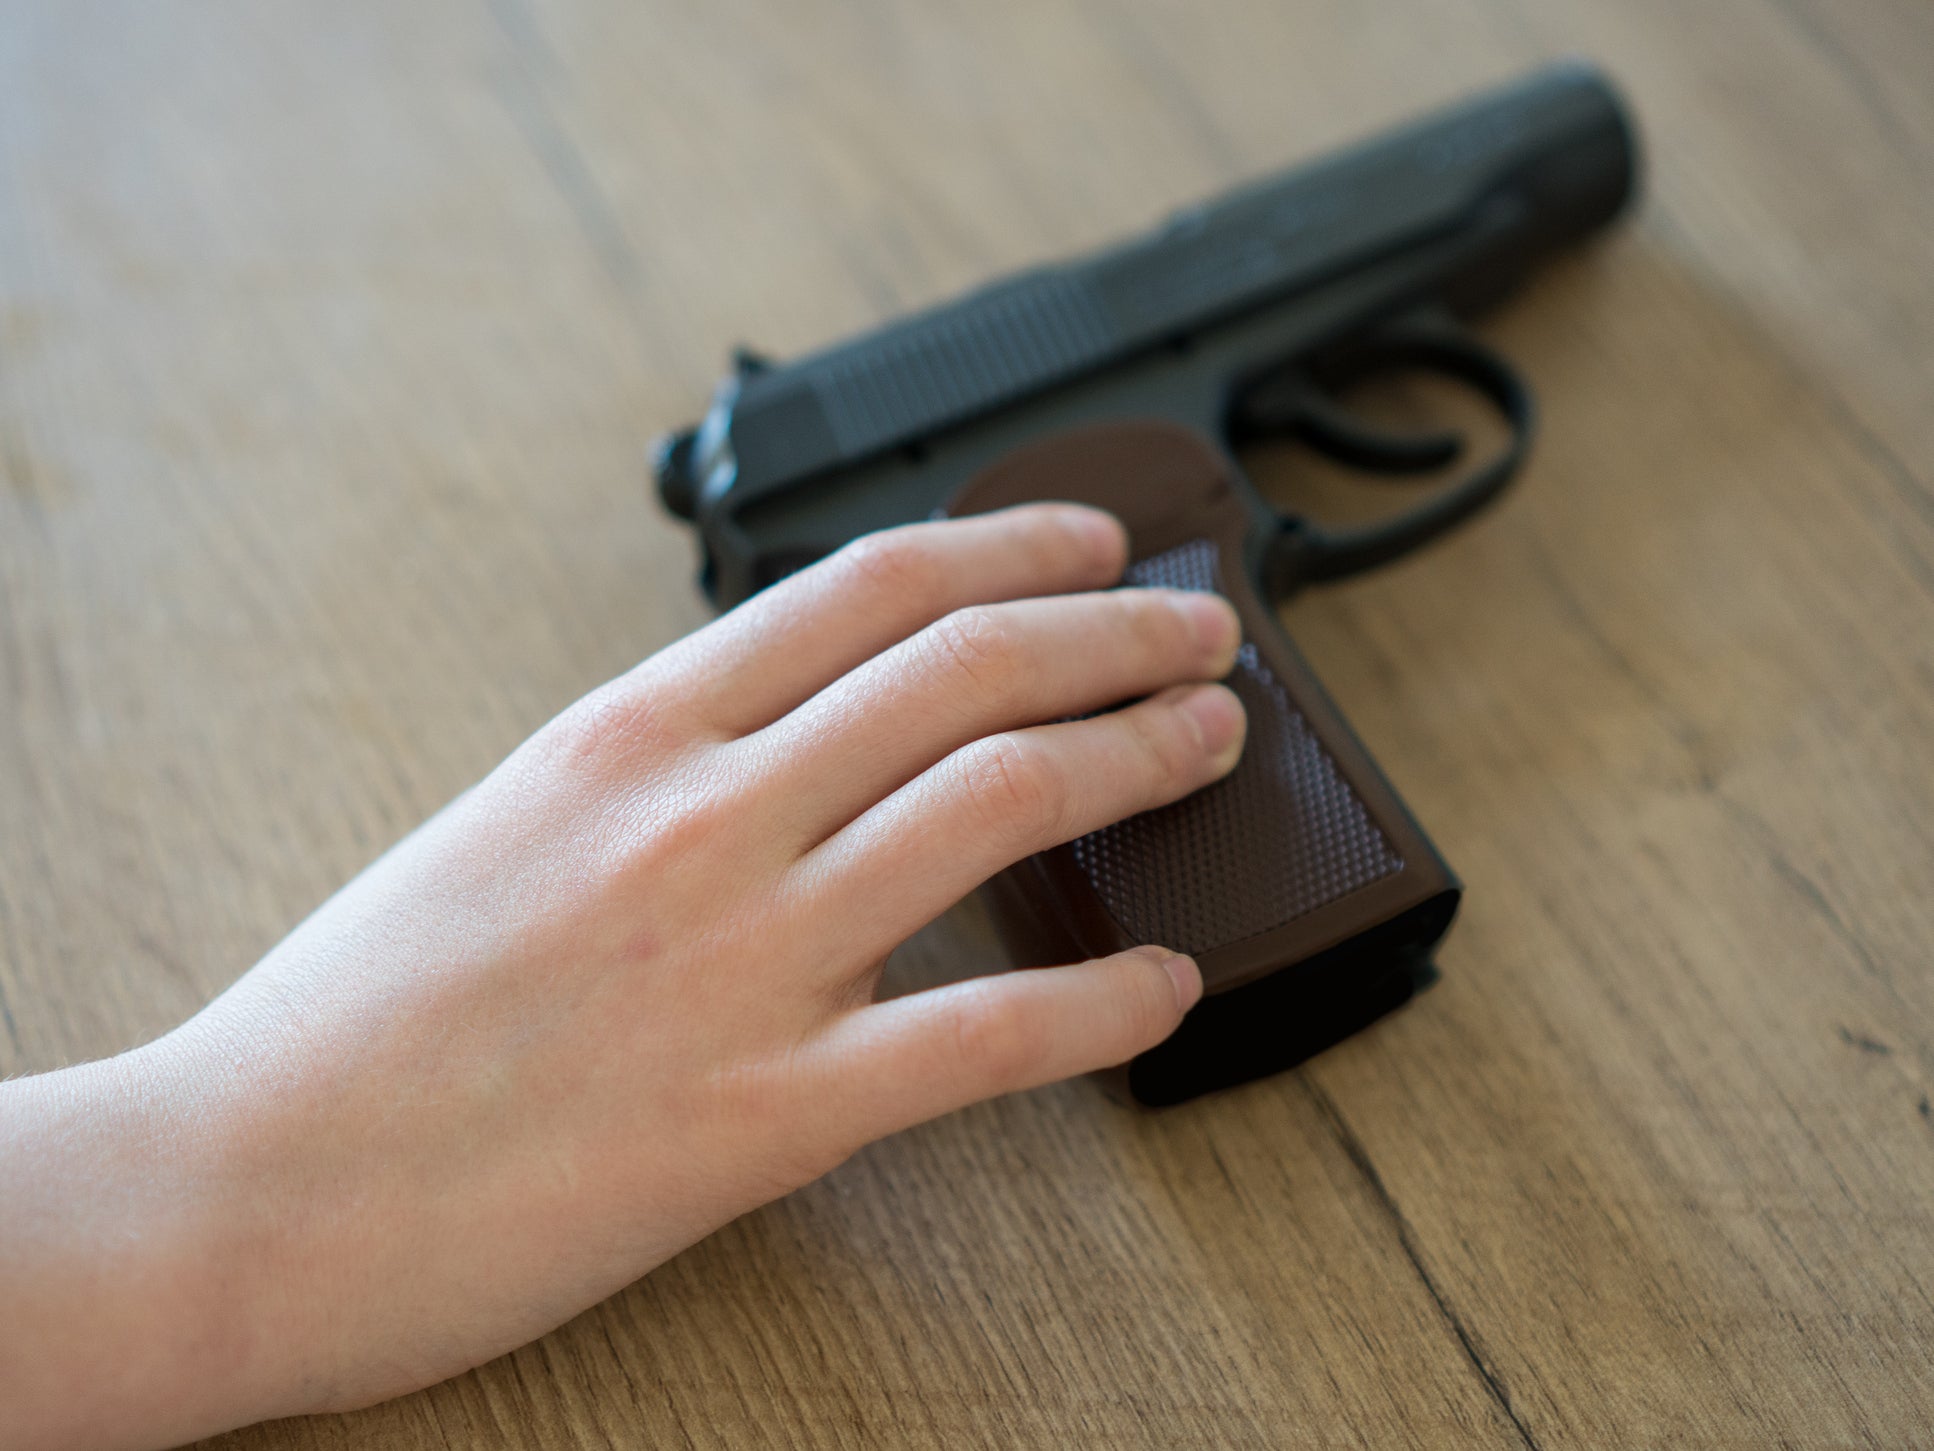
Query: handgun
(1128, 379)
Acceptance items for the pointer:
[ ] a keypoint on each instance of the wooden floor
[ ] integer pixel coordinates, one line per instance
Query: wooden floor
(331, 341)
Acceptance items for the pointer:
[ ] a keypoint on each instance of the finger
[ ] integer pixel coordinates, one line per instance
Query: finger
(772, 652)
(898, 1063)
(981, 670)
(1006, 796)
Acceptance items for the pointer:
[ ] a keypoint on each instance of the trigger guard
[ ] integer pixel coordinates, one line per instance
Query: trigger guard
(1304, 552)
(1304, 405)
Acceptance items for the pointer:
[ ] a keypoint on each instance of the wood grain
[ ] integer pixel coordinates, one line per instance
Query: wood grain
(331, 338)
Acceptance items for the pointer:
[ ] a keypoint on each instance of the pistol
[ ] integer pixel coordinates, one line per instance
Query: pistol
(1127, 379)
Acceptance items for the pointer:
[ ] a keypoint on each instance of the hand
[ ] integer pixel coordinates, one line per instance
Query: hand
(616, 995)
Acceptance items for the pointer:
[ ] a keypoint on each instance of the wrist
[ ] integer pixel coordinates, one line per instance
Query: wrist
(136, 1306)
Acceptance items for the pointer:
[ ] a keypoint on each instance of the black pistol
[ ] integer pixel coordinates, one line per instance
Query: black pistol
(1125, 379)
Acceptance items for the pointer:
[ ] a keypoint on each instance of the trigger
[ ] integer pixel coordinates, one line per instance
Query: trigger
(1298, 408)
(1342, 435)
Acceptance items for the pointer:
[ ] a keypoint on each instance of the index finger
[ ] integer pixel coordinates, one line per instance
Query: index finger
(782, 646)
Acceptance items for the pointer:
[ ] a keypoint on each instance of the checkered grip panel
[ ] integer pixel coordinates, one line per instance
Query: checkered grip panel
(1282, 835)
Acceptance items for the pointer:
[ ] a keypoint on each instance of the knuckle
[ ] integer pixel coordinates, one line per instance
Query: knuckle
(610, 725)
(1157, 625)
(1060, 541)
(1151, 1006)
(997, 1041)
(893, 564)
(1166, 748)
(976, 647)
(1015, 788)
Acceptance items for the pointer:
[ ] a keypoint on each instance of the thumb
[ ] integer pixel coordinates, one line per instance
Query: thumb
(910, 1059)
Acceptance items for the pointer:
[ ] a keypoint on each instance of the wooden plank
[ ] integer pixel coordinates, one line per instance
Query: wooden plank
(329, 341)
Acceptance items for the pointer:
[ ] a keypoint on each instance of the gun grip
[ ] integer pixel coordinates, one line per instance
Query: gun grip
(1300, 883)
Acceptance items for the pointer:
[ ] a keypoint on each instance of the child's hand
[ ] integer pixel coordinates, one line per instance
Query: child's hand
(619, 993)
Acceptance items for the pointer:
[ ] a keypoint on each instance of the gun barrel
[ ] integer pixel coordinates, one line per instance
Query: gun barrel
(1553, 151)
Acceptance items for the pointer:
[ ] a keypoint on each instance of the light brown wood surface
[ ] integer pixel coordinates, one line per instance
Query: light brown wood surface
(331, 340)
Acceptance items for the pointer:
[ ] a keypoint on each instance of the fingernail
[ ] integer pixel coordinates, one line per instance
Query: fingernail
(1186, 977)
(1219, 722)
(1217, 631)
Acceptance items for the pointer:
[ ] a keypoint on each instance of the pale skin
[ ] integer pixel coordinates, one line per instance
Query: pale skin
(621, 992)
